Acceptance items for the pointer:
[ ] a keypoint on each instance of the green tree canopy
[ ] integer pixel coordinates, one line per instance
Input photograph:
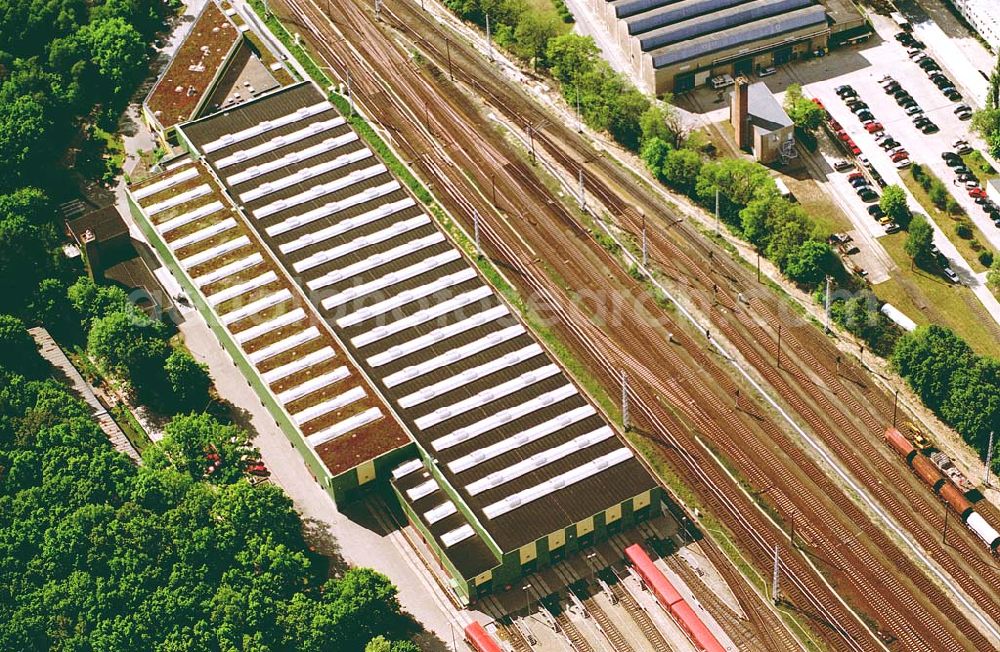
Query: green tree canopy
(738, 181)
(927, 358)
(805, 113)
(973, 403)
(919, 241)
(189, 380)
(18, 351)
(810, 263)
(893, 203)
(680, 169)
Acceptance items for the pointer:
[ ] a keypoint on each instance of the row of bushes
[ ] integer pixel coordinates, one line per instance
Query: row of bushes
(935, 189)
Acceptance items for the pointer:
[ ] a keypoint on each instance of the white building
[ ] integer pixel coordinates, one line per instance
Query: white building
(984, 16)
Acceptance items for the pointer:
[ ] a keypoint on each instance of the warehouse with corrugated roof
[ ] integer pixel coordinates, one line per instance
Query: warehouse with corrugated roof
(511, 464)
(677, 45)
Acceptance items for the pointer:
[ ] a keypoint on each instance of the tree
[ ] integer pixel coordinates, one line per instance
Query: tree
(973, 403)
(18, 352)
(382, 644)
(91, 301)
(893, 204)
(202, 447)
(662, 121)
(571, 56)
(628, 106)
(654, 154)
(532, 35)
(927, 358)
(810, 263)
(51, 307)
(738, 182)
(189, 380)
(987, 124)
(993, 276)
(134, 347)
(919, 241)
(680, 170)
(806, 114)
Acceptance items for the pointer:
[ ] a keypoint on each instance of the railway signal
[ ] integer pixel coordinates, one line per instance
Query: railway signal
(489, 41)
(475, 230)
(583, 197)
(895, 404)
(716, 211)
(645, 256)
(624, 400)
(826, 303)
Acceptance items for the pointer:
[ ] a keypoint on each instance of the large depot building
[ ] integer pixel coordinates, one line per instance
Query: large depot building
(677, 45)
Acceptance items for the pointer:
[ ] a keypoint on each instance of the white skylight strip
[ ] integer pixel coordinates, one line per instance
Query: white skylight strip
(295, 366)
(286, 344)
(503, 417)
(304, 174)
(203, 234)
(423, 489)
(178, 199)
(285, 319)
(487, 396)
(292, 158)
(422, 316)
(256, 306)
(522, 438)
(279, 141)
(320, 190)
(265, 126)
(344, 226)
(538, 460)
(326, 210)
(457, 535)
(343, 427)
(335, 403)
(358, 291)
(444, 510)
(242, 288)
(314, 385)
(356, 244)
(571, 477)
(470, 375)
(453, 356)
(405, 297)
(186, 218)
(228, 270)
(406, 468)
(214, 252)
(438, 335)
(375, 260)
(163, 184)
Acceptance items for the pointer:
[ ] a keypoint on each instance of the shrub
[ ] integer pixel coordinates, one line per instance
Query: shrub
(986, 258)
(963, 230)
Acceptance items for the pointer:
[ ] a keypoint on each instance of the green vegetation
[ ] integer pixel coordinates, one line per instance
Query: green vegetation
(919, 241)
(96, 553)
(893, 204)
(959, 386)
(932, 194)
(859, 314)
(806, 114)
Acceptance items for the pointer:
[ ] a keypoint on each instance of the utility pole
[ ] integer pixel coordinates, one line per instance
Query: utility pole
(757, 249)
(493, 180)
(989, 460)
(625, 424)
(776, 579)
(579, 116)
(475, 229)
(489, 42)
(895, 403)
(716, 211)
(944, 532)
(378, 7)
(779, 346)
(827, 304)
(583, 197)
(531, 136)
(350, 94)
(645, 257)
(447, 45)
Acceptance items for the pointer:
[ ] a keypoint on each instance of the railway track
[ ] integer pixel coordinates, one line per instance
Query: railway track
(513, 635)
(611, 632)
(572, 633)
(464, 202)
(740, 630)
(639, 615)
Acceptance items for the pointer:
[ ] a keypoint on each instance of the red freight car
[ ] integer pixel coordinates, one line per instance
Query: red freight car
(952, 495)
(651, 575)
(900, 444)
(479, 638)
(696, 629)
(927, 472)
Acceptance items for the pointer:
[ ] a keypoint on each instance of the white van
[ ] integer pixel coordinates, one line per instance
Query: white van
(766, 72)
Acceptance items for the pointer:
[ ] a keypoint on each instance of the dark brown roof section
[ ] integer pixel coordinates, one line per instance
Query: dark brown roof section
(194, 67)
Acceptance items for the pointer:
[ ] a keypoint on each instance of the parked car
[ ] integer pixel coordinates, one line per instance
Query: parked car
(875, 211)
(892, 87)
(872, 127)
(891, 228)
(949, 156)
(868, 196)
(903, 164)
(858, 108)
(889, 143)
(929, 64)
(855, 175)
(930, 128)
(913, 109)
(899, 156)
(866, 115)
(842, 165)
(953, 95)
(977, 193)
(972, 183)
(950, 274)
(859, 183)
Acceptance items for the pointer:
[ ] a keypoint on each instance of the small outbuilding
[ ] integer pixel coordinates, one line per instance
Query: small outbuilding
(760, 123)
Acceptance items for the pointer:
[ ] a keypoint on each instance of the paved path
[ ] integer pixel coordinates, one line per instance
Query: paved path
(57, 358)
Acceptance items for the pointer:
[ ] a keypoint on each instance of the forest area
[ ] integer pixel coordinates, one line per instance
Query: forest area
(96, 553)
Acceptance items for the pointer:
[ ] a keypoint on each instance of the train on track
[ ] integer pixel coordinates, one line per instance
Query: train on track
(944, 487)
(480, 640)
(671, 600)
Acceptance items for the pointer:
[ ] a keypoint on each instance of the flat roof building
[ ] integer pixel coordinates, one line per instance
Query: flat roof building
(511, 465)
(217, 64)
(984, 17)
(676, 45)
